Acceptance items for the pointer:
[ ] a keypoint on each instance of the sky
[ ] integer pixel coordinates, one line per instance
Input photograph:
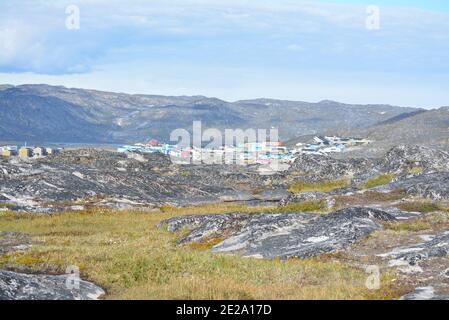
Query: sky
(233, 49)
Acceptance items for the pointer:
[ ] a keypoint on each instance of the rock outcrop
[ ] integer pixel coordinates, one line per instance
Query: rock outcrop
(425, 293)
(18, 286)
(324, 167)
(282, 236)
(402, 159)
(107, 178)
(411, 256)
(420, 171)
(110, 179)
(433, 186)
(327, 197)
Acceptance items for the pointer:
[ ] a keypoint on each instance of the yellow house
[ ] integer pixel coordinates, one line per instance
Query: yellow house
(25, 152)
(7, 153)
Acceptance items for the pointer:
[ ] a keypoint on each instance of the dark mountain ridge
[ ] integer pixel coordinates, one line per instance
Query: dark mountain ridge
(60, 114)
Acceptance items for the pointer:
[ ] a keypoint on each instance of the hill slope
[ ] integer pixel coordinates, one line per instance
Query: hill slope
(427, 128)
(59, 114)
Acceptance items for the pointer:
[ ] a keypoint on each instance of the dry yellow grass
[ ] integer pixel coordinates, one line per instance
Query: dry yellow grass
(434, 221)
(220, 208)
(369, 197)
(127, 255)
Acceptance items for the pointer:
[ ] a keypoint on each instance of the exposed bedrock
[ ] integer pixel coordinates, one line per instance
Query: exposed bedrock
(19, 286)
(287, 235)
(102, 178)
(409, 257)
(433, 186)
(425, 293)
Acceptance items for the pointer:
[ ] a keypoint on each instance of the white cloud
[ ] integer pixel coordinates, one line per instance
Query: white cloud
(223, 48)
(34, 37)
(14, 40)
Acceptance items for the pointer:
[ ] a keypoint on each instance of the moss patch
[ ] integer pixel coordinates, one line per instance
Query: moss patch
(411, 226)
(306, 206)
(323, 186)
(381, 180)
(166, 208)
(206, 244)
(6, 204)
(420, 206)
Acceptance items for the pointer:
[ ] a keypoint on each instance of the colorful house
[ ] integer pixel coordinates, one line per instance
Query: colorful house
(8, 153)
(25, 152)
(39, 152)
(153, 143)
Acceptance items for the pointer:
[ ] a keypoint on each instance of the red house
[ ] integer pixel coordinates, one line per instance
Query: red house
(153, 143)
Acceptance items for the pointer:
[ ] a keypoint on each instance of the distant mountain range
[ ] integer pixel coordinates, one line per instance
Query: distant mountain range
(59, 114)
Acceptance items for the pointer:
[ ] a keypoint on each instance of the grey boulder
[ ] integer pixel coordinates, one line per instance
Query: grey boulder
(18, 286)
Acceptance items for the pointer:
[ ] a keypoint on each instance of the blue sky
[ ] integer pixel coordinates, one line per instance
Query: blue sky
(286, 49)
(437, 5)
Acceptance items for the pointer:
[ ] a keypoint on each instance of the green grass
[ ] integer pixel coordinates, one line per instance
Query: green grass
(306, 206)
(381, 180)
(126, 254)
(6, 204)
(420, 206)
(409, 226)
(323, 186)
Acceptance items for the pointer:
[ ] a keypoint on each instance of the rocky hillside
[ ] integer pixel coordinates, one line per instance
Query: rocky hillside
(425, 128)
(89, 177)
(58, 114)
(391, 212)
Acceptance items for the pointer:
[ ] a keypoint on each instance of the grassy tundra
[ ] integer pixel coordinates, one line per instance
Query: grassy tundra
(126, 254)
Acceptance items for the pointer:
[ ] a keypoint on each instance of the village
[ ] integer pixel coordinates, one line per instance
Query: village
(244, 153)
(25, 152)
(247, 153)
